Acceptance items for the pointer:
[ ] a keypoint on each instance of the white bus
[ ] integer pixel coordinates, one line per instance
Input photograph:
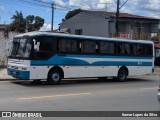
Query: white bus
(54, 56)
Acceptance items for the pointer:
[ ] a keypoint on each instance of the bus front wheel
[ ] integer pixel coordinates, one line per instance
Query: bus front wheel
(54, 77)
(122, 75)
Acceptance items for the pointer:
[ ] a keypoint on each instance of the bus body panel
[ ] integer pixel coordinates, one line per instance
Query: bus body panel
(19, 68)
(75, 66)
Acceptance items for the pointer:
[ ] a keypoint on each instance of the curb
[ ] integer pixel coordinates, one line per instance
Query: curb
(8, 79)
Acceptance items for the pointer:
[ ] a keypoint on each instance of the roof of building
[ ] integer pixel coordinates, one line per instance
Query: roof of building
(3, 26)
(121, 15)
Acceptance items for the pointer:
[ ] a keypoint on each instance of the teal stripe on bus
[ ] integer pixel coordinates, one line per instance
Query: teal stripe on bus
(76, 60)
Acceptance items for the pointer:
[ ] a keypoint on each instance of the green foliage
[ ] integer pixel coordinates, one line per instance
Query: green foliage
(71, 14)
(20, 24)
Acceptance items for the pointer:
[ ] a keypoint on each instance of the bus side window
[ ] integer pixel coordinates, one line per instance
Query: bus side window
(88, 47)
(148, 50)
(126, 49)
(107, 47)
(119, 48)
(140, 49)
(42, 47)
(132, 49)
(68, 46)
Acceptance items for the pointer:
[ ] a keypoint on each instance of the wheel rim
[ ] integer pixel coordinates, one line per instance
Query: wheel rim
(122, 75)
(55, 77)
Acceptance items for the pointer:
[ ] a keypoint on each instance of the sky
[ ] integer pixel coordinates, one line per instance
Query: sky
(42, 8)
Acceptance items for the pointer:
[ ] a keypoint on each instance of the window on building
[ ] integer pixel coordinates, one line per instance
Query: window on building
(78, 31)
(88, 47)
(107, 47)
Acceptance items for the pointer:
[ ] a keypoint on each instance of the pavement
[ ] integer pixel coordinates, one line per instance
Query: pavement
(136, 94)
(4, 76)
(157, 71)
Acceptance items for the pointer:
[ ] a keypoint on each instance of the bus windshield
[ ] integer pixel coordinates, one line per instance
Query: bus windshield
(20, 48)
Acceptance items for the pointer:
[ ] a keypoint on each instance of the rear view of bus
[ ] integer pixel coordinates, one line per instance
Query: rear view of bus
(53, 56)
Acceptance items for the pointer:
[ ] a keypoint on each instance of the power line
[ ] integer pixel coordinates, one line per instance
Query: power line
(11, 3)
(34, 3)
(41, 2)
(123, 4)
(143, 2)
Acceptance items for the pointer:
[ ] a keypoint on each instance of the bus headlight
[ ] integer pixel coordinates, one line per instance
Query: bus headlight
(24, 68)
(8, 66)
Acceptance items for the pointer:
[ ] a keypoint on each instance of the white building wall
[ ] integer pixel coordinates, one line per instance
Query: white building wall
(91, 25)
(4, 46)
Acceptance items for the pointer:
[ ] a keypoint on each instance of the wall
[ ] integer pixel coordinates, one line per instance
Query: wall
(92, 25)
(4, 46)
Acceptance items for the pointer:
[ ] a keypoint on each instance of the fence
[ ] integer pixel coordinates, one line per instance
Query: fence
(142, 36)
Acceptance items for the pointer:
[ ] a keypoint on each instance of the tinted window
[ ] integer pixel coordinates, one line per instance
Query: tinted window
(148, 50)
(88, 47)
(67, 45)
(43, 47)
(126, 49)
(107, 47)
(140, 49)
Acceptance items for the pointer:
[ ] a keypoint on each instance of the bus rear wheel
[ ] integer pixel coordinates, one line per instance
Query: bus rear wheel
(54, 77)
(122, 75)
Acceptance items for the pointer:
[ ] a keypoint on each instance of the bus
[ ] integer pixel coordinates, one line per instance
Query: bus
(55, 56)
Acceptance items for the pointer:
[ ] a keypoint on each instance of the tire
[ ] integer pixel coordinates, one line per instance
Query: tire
(122, 75)
(54, 77)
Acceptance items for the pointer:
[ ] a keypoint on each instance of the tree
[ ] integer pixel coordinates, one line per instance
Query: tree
(38, 22)
(18, 23)
(71, 14)
(21, 24)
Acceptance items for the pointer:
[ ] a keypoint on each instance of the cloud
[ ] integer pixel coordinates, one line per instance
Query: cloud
(45, 27)
(148, 8)
(139, 7)
(2, 9)
(60, 3)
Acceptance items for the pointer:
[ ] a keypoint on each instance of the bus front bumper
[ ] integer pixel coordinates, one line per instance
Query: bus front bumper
(18, 74)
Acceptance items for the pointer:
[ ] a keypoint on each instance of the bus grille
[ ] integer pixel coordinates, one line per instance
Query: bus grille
(15, 61)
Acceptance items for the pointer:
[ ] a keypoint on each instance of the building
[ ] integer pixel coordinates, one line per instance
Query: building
(100, 23)
(3, 27)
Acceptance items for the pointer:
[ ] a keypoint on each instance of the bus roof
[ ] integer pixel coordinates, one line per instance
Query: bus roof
(38, 33)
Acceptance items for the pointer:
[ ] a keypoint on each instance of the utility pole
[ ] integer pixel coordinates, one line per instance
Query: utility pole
(117, 19)
(52, 6)
(26, 30)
